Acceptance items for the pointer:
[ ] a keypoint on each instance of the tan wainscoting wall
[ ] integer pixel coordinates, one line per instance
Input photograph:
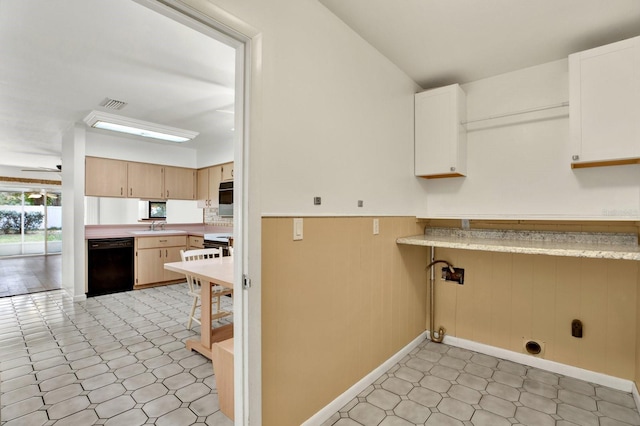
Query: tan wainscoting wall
(508, 297)
(335, 306)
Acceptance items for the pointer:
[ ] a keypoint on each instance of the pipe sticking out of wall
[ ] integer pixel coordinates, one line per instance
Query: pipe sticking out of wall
(432, 294)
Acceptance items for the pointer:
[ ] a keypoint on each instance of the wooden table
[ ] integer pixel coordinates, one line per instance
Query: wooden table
(216, 271)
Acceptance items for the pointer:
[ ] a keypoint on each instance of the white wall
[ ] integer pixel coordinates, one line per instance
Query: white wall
(335, 116)
(100, 144)
(73, 242)
(521, 169)
(126, 211)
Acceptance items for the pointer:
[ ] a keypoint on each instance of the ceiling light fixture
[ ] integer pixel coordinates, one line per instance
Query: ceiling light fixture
(117, 123)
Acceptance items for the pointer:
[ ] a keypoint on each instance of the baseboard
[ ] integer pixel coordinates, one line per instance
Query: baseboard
(325, 413)
(545, 364)
(636, 397)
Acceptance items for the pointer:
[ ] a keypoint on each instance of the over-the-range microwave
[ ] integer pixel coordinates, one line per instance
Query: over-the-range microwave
(225, 199)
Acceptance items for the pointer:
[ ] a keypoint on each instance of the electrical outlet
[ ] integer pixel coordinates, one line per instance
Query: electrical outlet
(360, 203)
(457, 276)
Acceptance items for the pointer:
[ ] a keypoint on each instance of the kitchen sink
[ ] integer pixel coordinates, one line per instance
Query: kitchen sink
(159, 232)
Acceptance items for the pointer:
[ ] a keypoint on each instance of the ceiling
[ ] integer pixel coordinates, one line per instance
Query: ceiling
(440, 42)
(61, 59)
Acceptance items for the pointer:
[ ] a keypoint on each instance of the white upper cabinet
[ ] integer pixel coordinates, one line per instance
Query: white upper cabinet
(604, 86)
(440, 135)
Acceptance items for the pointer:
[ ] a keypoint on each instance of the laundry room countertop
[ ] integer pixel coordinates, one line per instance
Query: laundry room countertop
(570, 244)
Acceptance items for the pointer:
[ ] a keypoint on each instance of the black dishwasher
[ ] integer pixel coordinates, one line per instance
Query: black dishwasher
(110, 266)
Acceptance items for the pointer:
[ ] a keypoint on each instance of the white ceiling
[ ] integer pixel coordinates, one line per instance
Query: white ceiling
(60, 59)
(440, 42)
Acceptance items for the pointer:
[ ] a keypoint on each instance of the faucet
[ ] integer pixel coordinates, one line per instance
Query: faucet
(154, 223)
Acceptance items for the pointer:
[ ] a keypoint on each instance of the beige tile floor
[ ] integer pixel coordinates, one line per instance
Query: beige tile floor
(116, 360)
(438, 384)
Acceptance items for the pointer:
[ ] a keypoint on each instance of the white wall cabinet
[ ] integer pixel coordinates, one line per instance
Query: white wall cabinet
(440, 135)
(604, 86)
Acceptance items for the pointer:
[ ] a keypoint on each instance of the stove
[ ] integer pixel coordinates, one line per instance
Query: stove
(218, 240)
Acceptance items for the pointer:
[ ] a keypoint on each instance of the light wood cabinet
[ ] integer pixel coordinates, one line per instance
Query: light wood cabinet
(105, 177)
(440, 135)
(196, 242)
(145, 180)
(604, 85)
(151, 255)
(227, 171)
(179, 183)
(208, 185)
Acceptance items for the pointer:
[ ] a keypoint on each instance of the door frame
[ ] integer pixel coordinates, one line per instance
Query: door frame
(203, 16)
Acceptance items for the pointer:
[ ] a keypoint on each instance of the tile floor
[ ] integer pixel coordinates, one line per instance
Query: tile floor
(30, 274)
(120, 360)
(442, 385)
(116, 360)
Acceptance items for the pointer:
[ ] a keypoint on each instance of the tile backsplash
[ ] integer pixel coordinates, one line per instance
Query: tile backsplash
(211, 218)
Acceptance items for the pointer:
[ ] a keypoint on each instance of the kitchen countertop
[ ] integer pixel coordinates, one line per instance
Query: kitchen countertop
(125, 231)
(571, 244)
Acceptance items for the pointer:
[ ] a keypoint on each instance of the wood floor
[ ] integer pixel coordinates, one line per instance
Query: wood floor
(32, 274)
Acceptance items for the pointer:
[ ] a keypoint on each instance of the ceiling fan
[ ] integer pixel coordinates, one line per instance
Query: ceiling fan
(57, 169)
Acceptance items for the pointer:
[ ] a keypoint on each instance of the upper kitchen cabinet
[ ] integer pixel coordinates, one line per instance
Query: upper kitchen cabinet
(604, 86)
(179, 183)
(208, 185)
(440, 136)
(105, 177)
(145, 181)
(227, 171)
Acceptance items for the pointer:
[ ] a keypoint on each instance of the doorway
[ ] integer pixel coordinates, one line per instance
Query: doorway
(30, 222)
(30, 240)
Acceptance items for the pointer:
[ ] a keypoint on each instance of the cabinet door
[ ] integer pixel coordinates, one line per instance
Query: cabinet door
(172, 254)
(150, 266)
(440, 137)
(105, 177)
(227, 171)
(215, 177)
(145, 181)
(179, 183)
(203, 184)
(196, 242)
(605, 104)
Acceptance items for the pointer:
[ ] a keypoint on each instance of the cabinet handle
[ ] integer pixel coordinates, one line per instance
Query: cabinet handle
(453, 169)
(121, 190)
(575, 157)
(167, 193)
(159, 253)
(162, 241)
(166, 253)
(130, 191)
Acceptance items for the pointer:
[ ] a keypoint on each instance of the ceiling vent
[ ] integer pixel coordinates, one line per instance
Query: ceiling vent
(112, 104)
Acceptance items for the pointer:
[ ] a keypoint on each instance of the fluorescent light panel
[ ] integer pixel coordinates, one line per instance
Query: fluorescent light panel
(117, 123)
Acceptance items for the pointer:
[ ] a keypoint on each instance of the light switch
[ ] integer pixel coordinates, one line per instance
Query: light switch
(297, 228)
(376, 226)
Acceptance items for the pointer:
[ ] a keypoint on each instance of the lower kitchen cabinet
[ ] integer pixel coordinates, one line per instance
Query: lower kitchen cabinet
(196, 242)
(151, 255)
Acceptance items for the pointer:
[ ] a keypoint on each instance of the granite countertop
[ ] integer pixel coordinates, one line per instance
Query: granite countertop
(571, 244)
